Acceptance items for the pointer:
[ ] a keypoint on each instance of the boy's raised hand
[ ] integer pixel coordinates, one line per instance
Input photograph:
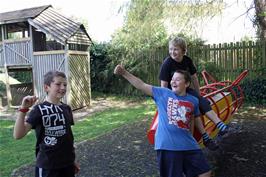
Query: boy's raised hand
(119, 70)
(28, 101)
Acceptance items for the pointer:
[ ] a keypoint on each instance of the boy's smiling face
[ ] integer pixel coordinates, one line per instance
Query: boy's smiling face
(178, 83)
(176, 52)
(57, 88)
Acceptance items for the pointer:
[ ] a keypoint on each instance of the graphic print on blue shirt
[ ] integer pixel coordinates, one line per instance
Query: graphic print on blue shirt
(174, 116)
(54, 123)
(179, 112)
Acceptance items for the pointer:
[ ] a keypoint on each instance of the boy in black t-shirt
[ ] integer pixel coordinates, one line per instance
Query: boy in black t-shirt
(177, 60)
(52, 120)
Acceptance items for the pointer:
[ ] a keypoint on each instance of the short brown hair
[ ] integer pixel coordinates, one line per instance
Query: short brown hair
(50, 75)
(178, 41)
(186, 75)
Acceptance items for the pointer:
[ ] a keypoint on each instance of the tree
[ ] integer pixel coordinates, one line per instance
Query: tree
(149, 23)
(147, 29)
(259, 19)
(188, 17)
(143, 27)
(260, 8)
(143, 30)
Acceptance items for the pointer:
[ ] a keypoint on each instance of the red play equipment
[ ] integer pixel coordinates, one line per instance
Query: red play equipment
(225, 98)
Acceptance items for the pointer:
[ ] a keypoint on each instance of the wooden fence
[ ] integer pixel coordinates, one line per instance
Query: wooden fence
(224, 61)
(228, 60)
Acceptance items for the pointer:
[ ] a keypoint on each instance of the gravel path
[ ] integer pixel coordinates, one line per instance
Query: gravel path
(126, 152)
(123, 152)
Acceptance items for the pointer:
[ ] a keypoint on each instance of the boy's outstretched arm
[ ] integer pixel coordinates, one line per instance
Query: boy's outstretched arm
(135, 81)
(21, 127)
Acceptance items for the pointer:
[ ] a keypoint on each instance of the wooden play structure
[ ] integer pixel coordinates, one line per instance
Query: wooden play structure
(40, 39)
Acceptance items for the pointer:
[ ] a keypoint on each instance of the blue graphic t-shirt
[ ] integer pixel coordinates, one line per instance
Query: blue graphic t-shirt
(174, 115)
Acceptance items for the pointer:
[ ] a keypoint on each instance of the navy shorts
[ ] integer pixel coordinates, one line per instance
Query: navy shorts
(176, 163)
(204, 104)
(68, 171)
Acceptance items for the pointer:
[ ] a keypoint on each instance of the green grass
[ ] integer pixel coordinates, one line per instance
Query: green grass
(117, 97)
(14, 153)
(108, 120)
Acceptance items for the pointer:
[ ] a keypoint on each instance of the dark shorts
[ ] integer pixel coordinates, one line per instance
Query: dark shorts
(176, 163)
(68, 171)
(204, 104)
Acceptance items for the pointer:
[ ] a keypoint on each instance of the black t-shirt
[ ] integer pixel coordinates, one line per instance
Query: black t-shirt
(55, 141)
(169, 67)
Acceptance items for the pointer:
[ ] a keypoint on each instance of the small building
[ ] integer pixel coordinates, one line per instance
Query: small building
(38, 40)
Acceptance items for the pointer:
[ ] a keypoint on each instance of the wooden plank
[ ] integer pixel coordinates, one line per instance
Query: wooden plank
(7, 41)
(215, 56)
(220, 59)
(74, 52)
(250, 58)
(244, 56)
(231, 58)
(49, 52)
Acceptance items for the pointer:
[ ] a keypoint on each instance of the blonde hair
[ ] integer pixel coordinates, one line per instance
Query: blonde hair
(178, 41)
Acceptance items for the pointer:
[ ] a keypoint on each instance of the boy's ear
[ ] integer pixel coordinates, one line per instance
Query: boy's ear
(45, 87)
(187, 84)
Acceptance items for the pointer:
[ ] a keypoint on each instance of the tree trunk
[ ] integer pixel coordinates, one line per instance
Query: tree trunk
(260, 7)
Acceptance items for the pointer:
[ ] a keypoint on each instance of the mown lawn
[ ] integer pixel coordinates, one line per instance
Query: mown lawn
(14, 153)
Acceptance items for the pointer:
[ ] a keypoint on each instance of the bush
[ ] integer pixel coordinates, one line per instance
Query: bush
(101, 76)
(255, 90)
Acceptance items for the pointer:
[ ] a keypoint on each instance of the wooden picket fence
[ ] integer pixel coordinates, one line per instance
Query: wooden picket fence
(230, 59)
(224, 61)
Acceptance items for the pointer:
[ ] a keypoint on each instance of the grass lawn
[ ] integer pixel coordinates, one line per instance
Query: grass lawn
(14, 153)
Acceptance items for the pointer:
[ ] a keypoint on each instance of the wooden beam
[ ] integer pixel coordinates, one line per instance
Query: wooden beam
(68, 96)
(74, 52)
(34, 80)
(51, 52)
(8, 91)
(16, 40)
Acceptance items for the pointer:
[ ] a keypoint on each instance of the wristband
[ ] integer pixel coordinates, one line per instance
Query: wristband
(24, 110)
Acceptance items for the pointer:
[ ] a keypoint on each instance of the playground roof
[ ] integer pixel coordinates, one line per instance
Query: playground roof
(47, 20)
(21, 15)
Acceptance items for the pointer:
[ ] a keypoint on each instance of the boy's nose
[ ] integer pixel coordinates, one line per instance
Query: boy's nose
(63, 87)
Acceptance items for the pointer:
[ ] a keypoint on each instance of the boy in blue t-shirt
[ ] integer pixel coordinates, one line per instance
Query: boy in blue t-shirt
(178, 152)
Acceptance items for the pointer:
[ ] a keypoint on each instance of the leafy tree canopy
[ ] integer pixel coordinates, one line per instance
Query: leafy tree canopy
(149, 23)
